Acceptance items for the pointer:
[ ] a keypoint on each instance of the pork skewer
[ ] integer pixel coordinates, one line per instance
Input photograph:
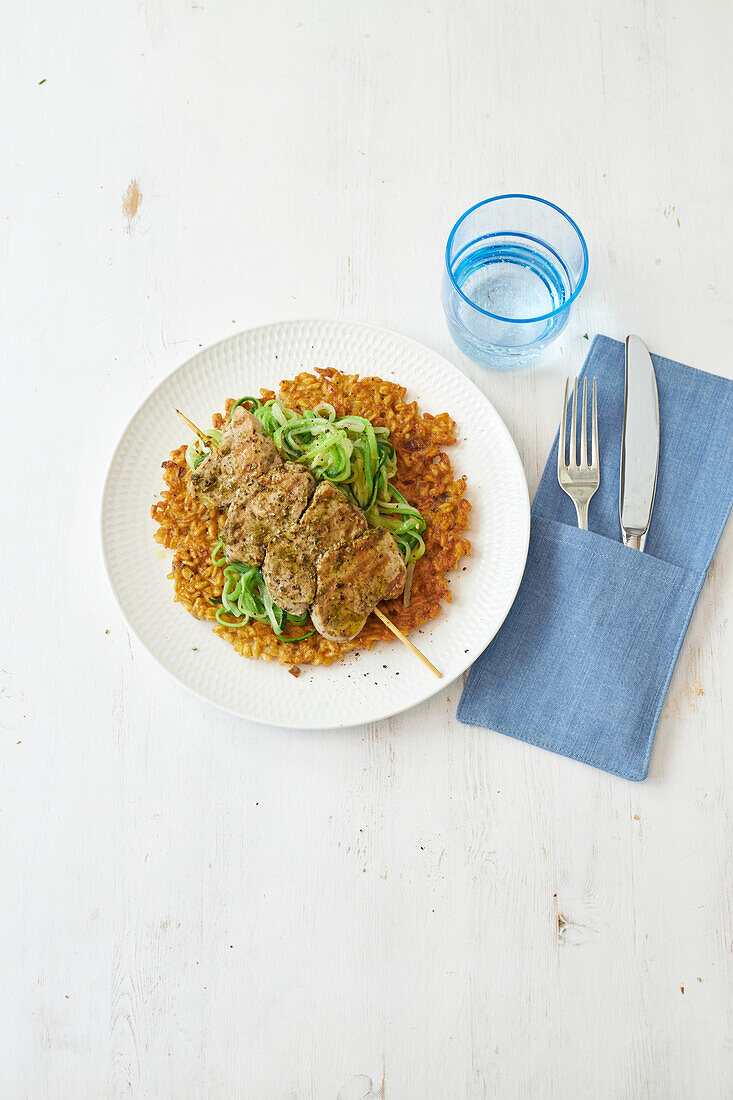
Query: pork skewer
(319, 553)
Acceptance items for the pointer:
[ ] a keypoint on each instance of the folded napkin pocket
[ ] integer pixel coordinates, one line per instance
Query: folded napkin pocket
(583, 661)
(594, 641)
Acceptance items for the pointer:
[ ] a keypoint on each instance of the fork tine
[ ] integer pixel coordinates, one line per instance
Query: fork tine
(562, 438)
(594, 464)
(584, 427)
(573, 422)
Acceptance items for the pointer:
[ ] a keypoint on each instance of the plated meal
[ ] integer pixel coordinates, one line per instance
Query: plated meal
(299, 513)
(355, 681)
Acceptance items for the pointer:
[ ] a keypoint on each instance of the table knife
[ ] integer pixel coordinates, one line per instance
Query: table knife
(639, 444)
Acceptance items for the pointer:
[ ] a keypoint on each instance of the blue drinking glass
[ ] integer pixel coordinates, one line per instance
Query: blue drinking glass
(514, 266)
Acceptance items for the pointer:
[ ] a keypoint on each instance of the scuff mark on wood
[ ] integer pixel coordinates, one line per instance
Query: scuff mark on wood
(693, 691)
(569, 932)
(131, 200)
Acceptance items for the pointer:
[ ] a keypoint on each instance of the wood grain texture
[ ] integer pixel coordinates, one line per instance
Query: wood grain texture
(195, 907)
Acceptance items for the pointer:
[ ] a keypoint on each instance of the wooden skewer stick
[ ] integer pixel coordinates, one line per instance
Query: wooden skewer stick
(205, 439)
(406, 641)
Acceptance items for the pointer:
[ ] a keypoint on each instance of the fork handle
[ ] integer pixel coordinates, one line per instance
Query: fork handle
(581, 507)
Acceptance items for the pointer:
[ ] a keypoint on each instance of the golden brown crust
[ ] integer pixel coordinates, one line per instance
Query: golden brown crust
(424, 476)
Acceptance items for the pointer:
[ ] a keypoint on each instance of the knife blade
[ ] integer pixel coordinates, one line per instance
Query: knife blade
(639, 444)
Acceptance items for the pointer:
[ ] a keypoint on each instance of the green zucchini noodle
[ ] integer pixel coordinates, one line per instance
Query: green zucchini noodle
(349, 451)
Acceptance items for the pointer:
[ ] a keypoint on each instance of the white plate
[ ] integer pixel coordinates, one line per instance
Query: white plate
(358, 688)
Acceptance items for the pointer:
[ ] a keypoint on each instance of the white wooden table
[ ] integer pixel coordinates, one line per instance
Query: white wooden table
(195, 907)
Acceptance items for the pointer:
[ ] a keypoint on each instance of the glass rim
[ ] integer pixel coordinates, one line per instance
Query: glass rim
(497, 316)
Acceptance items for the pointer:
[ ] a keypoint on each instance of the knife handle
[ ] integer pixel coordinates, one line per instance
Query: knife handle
(636, 542)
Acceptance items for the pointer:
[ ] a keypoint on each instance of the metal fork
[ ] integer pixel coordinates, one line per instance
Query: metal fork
(579, 481)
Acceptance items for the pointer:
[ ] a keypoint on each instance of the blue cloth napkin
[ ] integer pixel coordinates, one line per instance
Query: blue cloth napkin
(583, 661)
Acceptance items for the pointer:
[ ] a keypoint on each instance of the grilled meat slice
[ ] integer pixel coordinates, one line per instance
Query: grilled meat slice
(244, 454)
(267, 507)
(330, 520)
(352, 579)
(289, 571)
